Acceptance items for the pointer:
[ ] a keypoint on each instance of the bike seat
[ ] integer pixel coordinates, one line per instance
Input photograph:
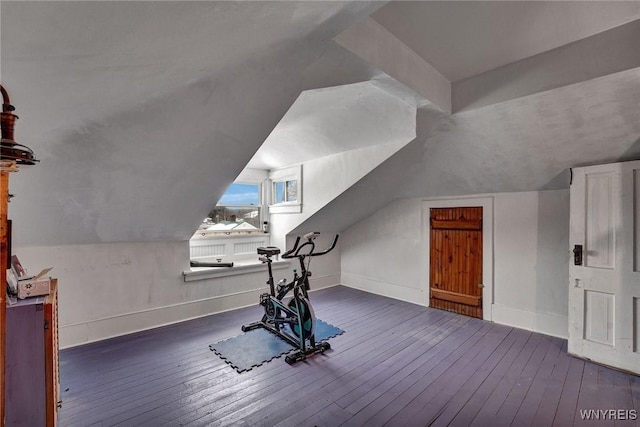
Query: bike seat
(268, 250)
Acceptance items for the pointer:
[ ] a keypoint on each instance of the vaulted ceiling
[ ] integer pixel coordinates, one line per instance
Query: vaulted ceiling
(142, 113)
(462, 39)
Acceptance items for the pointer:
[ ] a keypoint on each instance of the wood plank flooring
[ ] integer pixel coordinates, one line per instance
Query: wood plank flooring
(396, 364)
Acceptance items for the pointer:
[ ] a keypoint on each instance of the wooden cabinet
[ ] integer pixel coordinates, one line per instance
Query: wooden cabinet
(32, 383)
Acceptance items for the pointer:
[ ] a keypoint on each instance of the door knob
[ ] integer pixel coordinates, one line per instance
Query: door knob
(577, 255)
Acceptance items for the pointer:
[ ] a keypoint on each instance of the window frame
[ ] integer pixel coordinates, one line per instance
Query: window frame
(261, 209)
(284, 175)
(230, 246)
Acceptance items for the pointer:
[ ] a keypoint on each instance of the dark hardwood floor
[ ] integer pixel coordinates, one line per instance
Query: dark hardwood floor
(396, 364)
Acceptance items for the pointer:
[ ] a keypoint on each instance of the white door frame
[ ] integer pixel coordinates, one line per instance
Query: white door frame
(486, 202)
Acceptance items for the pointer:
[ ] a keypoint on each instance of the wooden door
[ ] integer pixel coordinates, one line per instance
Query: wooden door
(604, 272)
(456, 260)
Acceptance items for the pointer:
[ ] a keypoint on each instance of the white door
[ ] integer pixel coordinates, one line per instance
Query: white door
(604, 289)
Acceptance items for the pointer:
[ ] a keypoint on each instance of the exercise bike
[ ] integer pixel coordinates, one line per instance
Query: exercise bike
(294, 320)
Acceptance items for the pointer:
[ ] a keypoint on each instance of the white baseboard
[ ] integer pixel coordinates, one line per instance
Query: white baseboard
(109, 327)
(386, 289)
(100, 329)
(321, 282)
(545, 323)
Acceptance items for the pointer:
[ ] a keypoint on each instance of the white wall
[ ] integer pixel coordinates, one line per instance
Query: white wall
(324, 179)
(112, 289)
(385, 254)
(532, 261)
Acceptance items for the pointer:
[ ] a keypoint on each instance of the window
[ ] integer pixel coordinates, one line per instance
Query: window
(233, 229)
(286, 190)
(237, 212)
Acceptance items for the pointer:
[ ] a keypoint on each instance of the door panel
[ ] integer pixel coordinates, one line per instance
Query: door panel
(599, 318)
(456, 260)
(600, 225)
(604, 289)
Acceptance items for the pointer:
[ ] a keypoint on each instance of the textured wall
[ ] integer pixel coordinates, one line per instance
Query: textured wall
(111, 289)
(385, 254)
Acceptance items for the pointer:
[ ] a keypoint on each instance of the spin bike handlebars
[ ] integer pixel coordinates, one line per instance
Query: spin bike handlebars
(295, 251)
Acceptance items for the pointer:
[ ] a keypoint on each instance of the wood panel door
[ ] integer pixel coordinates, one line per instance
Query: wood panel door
(456, 260)
(604, 272)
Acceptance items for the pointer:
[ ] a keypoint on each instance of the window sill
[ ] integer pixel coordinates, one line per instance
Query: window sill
(203, 273)
(285, 208)
(204, 235)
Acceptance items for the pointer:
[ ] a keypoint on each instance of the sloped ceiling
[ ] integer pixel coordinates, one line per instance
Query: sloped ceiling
(523, 124)
(477, 36)
(326, 121)
(525, 144)
(143, 112)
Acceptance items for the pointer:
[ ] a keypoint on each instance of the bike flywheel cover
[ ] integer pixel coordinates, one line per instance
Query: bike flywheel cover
(306, 315)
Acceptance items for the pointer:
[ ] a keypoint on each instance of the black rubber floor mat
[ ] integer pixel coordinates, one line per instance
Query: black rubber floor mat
(259, 346)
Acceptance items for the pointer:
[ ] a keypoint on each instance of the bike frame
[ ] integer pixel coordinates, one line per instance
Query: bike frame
(273, 301)
(291, 318)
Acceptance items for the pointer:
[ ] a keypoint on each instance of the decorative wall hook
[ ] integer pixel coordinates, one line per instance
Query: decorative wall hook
(10, 150)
